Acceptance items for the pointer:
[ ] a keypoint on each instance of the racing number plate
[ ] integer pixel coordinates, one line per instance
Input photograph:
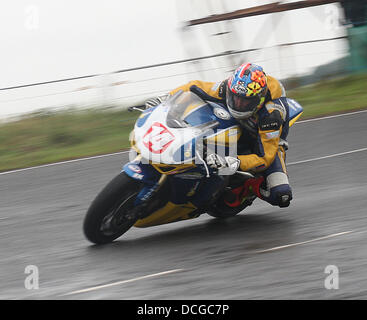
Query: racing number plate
(158, 138)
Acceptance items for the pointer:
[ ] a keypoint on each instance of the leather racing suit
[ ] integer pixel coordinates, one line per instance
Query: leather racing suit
(262, 145)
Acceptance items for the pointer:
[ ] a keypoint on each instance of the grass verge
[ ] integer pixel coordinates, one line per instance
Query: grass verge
(47, 137)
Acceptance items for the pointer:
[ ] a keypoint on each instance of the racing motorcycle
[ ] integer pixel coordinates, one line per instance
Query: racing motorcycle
(167, 179)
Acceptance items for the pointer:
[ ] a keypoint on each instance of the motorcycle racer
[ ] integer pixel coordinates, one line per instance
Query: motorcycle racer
(258, 102)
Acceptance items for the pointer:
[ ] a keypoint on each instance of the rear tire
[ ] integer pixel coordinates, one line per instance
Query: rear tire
(106, 218)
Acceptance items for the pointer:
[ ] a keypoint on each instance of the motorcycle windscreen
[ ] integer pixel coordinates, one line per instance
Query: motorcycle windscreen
(182, 105)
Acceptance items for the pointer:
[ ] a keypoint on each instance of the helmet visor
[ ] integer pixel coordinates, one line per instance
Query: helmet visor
(242, 104)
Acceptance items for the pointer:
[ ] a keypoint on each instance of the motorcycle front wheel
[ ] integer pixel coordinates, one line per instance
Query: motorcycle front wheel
(107, 218)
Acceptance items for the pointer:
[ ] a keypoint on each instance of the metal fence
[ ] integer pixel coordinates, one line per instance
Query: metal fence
(128, 86)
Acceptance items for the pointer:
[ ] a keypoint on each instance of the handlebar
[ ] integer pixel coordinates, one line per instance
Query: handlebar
(140, 108)
(242, 173)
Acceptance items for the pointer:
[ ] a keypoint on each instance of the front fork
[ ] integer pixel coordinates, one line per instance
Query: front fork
(149, 191)
(152, 180)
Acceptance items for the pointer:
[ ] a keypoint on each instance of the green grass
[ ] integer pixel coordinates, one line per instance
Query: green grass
(333, 96)
(47, 137)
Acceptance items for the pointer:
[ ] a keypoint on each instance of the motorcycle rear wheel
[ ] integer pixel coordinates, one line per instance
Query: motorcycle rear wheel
(106, 218)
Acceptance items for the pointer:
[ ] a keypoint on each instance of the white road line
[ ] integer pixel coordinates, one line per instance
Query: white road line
(118, 153)
(326, 157)
(63, 162)
(123, 282)
(331, 117)
(304, 242)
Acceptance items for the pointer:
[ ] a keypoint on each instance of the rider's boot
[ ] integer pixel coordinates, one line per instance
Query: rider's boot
(282, 197)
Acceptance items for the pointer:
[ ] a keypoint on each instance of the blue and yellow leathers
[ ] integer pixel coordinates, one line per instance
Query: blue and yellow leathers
(262, 145)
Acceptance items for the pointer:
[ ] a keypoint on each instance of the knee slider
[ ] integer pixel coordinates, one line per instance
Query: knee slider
(281, 196)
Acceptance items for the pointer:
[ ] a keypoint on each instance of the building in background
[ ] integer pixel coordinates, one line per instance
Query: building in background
(356, 18)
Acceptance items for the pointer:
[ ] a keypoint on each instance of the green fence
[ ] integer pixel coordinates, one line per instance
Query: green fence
(356, 16)
(358, 48)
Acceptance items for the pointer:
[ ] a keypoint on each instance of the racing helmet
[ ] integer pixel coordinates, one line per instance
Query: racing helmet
(246, 91)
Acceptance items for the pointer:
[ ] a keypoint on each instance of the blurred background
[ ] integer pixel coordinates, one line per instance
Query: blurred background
(69, 69)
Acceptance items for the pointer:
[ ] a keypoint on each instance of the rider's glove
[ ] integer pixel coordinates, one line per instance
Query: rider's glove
(152, 102)
(225, 165)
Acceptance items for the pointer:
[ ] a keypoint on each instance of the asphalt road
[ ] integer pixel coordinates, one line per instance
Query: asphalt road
(263, 253)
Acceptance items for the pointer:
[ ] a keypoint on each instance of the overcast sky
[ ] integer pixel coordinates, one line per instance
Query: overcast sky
(43, 40)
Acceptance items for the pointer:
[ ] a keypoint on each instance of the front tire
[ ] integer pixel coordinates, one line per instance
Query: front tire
(106, 218)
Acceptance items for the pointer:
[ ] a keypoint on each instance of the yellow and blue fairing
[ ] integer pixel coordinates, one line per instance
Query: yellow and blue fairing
(189, 187)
